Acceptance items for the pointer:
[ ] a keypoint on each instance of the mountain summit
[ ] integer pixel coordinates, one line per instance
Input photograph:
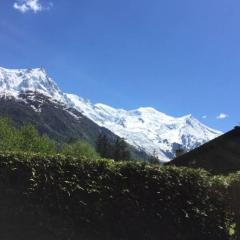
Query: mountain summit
(14, 81)
(145, 128)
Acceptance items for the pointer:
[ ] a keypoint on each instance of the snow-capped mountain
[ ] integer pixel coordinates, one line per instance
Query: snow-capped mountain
(145, 128)
(148, 129)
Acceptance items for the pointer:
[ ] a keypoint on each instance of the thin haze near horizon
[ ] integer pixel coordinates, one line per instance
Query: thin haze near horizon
(179, 57)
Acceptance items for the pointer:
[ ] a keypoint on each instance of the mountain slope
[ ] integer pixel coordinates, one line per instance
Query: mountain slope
(30, 96)
(146, 129)
(55, 120)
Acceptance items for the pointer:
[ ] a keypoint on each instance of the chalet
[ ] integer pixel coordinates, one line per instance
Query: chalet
(221, 155)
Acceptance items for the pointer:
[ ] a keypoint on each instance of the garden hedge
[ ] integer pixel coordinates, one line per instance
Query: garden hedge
(56, 197)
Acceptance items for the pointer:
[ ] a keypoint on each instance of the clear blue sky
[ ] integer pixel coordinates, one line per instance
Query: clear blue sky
(180, 57)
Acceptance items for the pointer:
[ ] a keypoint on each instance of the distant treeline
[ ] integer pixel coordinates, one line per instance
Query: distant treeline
(117, 150)
(28, 140)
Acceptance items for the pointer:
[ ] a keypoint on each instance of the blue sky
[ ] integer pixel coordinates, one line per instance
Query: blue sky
(180, 57)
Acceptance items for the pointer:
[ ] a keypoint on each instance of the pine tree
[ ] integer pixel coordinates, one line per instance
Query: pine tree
(121, 151)
(153, 159)
(103, 146)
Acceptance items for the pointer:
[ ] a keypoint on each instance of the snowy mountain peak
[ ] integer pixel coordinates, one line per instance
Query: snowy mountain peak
(15, 81)
(148, 129)
(148, 110)
(145, 128)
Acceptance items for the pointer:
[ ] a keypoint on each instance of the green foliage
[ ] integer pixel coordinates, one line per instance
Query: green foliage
(109, 200)
(9, 137)
(31, 141)
(25, 139)
(78, 149)
(118, 151)
(28, 140)
(121, 151)
(103, 146)
(233, 198)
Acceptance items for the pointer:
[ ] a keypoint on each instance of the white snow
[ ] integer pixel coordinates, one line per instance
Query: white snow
(148, 129)
(15, 81)
(145, 128)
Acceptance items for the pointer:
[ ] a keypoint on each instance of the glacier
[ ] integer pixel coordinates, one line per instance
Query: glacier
(145, 128)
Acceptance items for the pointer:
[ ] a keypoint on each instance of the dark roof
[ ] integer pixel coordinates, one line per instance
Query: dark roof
(221, 155)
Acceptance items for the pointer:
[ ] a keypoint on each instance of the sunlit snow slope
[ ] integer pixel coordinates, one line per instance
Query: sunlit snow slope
(148, 129)
(145, 128)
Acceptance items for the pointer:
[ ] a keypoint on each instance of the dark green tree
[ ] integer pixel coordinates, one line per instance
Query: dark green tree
(121, 151)
(153, 159)
(103, 146)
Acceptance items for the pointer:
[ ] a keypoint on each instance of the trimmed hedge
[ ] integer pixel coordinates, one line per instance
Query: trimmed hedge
(232, 197)
(55, 197)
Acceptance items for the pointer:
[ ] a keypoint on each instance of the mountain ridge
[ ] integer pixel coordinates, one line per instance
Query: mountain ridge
(145, 128)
